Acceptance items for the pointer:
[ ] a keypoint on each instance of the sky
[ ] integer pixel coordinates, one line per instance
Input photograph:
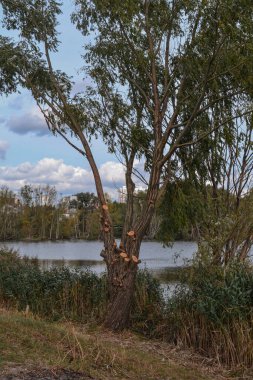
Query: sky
(30, 154)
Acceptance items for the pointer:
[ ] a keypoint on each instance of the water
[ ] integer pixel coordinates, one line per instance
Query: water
(81, 254)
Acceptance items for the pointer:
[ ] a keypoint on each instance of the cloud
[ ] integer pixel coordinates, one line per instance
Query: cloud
(112, 173)
(67, 179)
(32, 122)
(3, 149)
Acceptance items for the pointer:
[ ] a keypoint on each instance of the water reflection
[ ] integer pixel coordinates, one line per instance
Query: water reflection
(92, 265)
(83, 253)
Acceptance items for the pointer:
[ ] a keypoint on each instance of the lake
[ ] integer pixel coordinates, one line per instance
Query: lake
(82, 254)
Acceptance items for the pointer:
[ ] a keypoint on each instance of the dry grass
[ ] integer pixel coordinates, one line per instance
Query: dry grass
(102, 355)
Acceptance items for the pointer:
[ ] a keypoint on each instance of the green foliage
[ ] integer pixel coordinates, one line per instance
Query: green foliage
(10, 221)
(36, 21)
(61, 292)
(182, 208)
(212, 312)
(220, 294)
(148, 308)
(87, 201)
(117, 211)
(54, 293)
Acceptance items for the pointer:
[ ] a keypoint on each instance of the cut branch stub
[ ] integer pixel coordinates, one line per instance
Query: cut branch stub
(105, 207)
(115, 244)
(106, 229)
(123, 255)
(121, 245)
(135, 259)
(127, 259)
(131, 233)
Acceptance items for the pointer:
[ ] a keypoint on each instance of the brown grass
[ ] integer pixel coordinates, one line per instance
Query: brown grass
(230, 346)
(102, 355)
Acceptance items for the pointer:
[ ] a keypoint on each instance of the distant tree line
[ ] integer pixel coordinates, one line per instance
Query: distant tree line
(36, 214)
(188, 212)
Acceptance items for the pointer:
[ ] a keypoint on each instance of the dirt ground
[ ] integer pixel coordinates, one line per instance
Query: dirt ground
(20, 373)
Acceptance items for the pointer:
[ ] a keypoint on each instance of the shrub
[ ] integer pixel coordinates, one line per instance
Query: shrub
(72, 294)
(213, 313)
(148, 306)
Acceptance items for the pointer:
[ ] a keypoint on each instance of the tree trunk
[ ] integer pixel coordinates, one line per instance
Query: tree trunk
(122, 271)
(121, 297)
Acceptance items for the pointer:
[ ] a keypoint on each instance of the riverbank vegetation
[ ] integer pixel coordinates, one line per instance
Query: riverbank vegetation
(63, 293)
(188, 212)
(210, 311)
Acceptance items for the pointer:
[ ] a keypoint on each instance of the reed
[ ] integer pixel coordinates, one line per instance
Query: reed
(64, 293)
(213, 314)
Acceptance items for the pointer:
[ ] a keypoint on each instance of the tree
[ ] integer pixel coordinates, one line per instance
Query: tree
(9, 218)
(38, 211)
(166, 74)
(87, 201)
(227, 231)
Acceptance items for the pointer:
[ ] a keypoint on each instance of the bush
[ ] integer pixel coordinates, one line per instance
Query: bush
(211, 310)
(148, 306)
(54, 293)
(213, 313)
(72, 294)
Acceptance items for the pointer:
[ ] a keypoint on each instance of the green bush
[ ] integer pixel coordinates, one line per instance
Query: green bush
(148, 306)
(54, 293)
(226, 293)
(219, 293)
(72, 294)
(212, 312)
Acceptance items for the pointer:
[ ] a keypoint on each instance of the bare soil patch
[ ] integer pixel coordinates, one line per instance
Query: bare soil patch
(19, 373)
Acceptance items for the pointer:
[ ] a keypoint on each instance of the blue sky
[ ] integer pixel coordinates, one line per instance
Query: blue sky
(30, 154)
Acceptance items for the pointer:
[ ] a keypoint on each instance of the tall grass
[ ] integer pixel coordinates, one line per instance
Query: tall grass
(213, 314)
(71, 294)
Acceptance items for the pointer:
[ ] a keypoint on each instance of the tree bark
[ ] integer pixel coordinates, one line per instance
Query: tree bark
(122, 272)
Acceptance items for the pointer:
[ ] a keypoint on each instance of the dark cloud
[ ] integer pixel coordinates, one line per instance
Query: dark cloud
(28, 123)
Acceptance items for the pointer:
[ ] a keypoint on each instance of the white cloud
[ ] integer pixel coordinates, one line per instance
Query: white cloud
(3, 149)
(112, 173)
(67, 179)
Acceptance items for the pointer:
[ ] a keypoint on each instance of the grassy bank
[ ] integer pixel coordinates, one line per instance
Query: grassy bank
(210, 312)
(29, 342)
